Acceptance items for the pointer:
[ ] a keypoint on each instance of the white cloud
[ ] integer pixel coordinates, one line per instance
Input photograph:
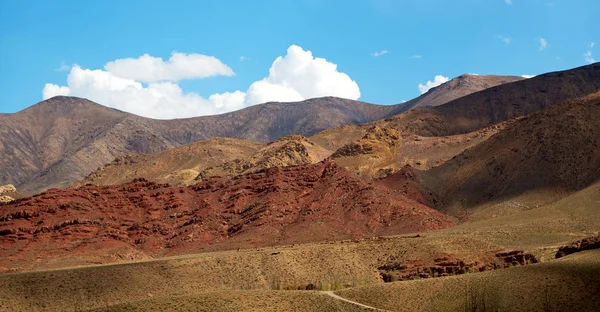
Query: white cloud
(437, 80)
(543, 44)
(588, 54)
(527, 76)
(504, 39)
(416, 56)
(51, 90)
(294, 77)
(299, 76)
(228, 101)
(509, 2)
(380, 53)
(180, 66)
(161, 100)
(243, 58)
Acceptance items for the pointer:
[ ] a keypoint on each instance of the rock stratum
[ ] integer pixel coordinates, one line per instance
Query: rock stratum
(276, 206)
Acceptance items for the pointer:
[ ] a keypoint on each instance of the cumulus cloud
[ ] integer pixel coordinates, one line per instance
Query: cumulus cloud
(504, 39)
(437, 80)
(527, 76)
(588, 54)
(51, 90)
(228, 101)
(298, 76)
(180, 66)
(294, 77)
(543, 44)
(156, 100)
(380, 53)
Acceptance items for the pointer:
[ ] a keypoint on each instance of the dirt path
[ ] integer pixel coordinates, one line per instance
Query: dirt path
(331, 294)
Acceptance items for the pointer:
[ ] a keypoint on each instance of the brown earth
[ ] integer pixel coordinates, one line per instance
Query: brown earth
(177, 166)
(504, 102)
(382, 150)
(271, 207)
(290, 150)
(58, 142)
(553, 151)
(209, 280)
(458, 87)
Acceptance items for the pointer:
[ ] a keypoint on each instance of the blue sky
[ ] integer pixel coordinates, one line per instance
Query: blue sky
(41, 40)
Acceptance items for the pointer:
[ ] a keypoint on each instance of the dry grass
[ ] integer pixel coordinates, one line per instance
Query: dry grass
(241, 301)
(238, 276)
(572, 284)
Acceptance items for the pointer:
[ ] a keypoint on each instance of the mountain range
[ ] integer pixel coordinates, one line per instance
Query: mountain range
(58, 142)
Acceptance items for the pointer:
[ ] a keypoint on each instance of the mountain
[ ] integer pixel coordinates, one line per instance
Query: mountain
(496, 104)
(383, 150)
(545, 155)
(276, 206)
(61, 140)
(458, 87)
(177, 166)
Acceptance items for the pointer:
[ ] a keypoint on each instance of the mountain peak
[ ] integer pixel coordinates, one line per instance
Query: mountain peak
(458, 87)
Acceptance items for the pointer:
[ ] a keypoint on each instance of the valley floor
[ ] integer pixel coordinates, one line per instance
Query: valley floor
(292, 277)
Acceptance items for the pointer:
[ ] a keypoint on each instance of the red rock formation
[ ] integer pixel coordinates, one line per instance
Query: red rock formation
(275, 206)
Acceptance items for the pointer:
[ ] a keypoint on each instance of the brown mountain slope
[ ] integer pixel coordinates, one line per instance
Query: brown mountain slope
(458, 87)
(290, 150)
(276, 206)
(382, 150)
(177, 166)
(553, 151)
(500, 103)
(60, 141)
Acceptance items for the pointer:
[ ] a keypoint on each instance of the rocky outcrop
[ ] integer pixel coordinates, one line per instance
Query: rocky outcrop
(448, 265)
(5, 199)
(376, 140)
(592, 242)
(292, 150)
(9, 188)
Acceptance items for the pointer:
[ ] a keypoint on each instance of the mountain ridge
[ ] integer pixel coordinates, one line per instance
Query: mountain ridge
(61, 140)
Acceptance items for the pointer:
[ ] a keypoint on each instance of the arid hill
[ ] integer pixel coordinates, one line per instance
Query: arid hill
(271, 207)
(500, 103)
(383, 151)
(177, 166)
(554, 150)
(61, 140)
(458, 87)
(292, 150)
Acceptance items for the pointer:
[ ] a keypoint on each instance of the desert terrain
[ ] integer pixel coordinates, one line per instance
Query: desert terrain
(483, 194)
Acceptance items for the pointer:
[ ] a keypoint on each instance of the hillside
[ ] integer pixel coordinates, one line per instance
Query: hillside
(382, 150)
(271, 207)
(458, 87)
(176, 166)
(61, 140)
(292, 150)
(550, 152)
(496, 104)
